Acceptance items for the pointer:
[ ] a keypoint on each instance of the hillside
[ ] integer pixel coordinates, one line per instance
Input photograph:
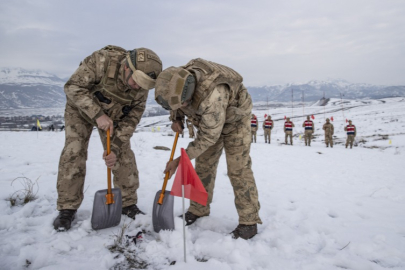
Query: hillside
(20, 88)
(314, 90)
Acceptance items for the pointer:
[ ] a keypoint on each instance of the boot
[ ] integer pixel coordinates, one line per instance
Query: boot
(244, 231)
(131, 211)
(63, 221)
(190, 218)
(327, 145)
(346, 145)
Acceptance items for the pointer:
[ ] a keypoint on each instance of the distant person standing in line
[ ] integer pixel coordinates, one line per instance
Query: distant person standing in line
(309, 130)
(351, 133)
(288, 130)
(329, 130)
(253, 126)
(268, 126)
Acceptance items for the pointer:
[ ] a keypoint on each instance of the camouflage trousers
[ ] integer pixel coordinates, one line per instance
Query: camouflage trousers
(253, 132)
(288, 134)
(267, 135)
(72, 164)
(328, 139)
(308, 137)
(350, 140)
(236, 140)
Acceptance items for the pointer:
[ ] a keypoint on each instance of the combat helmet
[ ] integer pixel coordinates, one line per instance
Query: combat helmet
(327, 119)
(145, 65)
(174, 86)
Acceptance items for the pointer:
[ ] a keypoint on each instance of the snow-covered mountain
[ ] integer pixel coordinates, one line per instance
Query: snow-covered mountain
(314, 90)
(21, 88)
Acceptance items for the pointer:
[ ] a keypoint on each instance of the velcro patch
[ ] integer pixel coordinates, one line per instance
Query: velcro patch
(141, 56)
(179, 86)
(174, 100)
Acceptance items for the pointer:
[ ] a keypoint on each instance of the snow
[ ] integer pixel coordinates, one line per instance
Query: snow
(24, 76)
(321, 208)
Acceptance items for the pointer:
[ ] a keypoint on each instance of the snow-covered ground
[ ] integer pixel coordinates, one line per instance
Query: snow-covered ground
(321, 208)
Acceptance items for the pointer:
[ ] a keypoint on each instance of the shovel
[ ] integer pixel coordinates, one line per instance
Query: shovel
(107, 206)
(162, 216)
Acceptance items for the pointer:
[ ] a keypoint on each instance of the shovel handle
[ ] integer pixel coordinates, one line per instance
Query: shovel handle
(109, 196)
(162, 194)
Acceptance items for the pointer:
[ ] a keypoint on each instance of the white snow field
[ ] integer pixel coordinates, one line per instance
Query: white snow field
(322, 208)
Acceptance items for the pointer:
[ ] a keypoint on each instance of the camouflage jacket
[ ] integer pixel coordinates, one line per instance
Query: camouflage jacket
(213, 115)
(86, 80)
(329, 129)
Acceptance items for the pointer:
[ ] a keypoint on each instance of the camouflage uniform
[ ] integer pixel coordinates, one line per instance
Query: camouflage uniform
(329, 130)
(190, 128)
(253, 127)
(102, 72)
(351, 134)
(268, 125)
(288, 129)
(220, 110)
(309, 130)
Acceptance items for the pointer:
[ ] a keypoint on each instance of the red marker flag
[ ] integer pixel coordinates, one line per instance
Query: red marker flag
(186, 175)
(346, 120)
(331, 118)
(313, 117)
(265, 116)
(285, 117)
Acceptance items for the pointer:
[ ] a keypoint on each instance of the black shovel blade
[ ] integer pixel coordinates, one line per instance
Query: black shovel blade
(162, 216)
(106, 215)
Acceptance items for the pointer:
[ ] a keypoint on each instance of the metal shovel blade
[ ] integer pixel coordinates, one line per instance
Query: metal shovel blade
(106, 215)
(162, 216)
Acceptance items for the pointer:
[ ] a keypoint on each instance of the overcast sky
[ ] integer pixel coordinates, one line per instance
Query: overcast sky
(267, 42)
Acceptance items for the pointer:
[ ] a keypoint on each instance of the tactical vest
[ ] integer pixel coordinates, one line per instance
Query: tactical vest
(288, 126)
(213, 74)
(253, 122)
(115, 100)
(268, 124)
(108, 84)
(350, 130)
(308, 124)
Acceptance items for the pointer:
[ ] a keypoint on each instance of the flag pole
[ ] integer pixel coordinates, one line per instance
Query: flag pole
(292, 103)
(324, 104)
(184, 224)
(303, 104)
